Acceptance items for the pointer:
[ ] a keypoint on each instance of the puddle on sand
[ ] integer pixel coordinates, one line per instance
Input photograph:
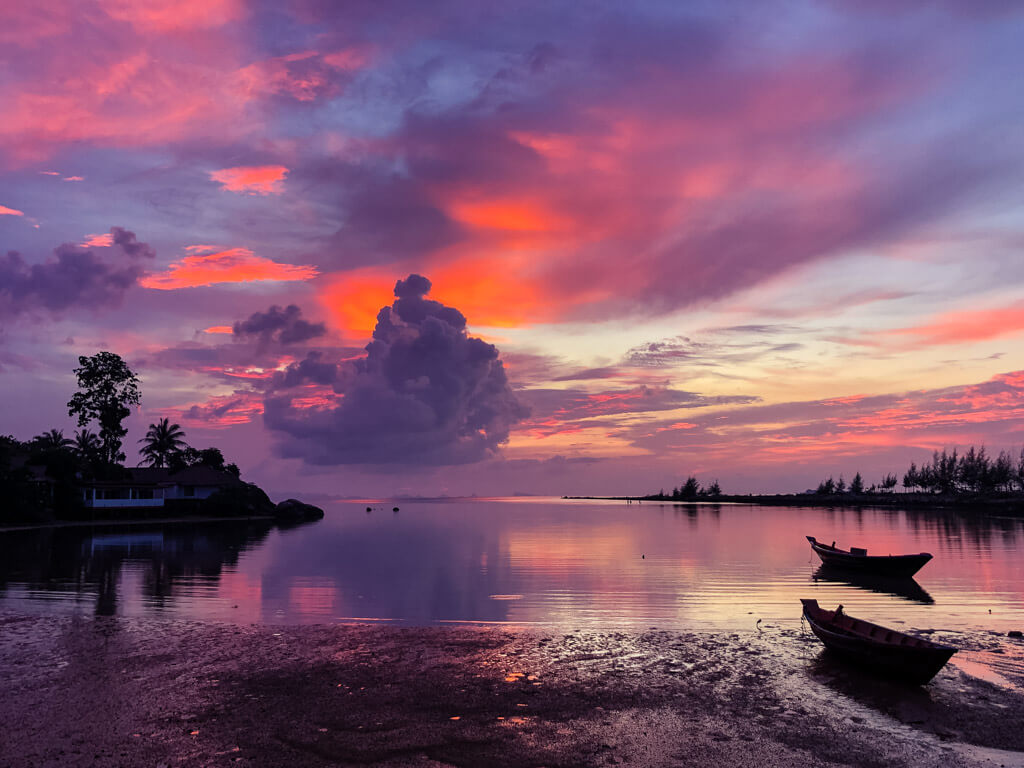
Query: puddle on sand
(982, 666)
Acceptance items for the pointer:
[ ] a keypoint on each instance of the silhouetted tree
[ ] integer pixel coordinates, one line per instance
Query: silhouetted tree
(87, 443)
(827, 487)
(690, 489)
(714, 489)
(857, 484)
(107, 387)
(889, 483)
(52, 440)
(161, 443)
(841, 485)
(910, 478)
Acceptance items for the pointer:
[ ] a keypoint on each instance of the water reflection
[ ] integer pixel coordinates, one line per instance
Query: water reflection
(905, 587)
(554, 562)
(91, 563)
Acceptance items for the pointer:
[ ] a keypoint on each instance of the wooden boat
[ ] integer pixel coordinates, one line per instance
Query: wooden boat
(858, 559)
(887, 650)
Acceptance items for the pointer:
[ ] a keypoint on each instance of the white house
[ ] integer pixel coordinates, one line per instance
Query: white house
(152, 487)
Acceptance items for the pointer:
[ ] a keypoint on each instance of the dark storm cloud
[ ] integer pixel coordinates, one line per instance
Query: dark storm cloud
(426, 393)
(277, 325)
(73, 278)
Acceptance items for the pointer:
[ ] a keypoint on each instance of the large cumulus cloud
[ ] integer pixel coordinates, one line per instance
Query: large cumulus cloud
(426, 393)
(73, 278)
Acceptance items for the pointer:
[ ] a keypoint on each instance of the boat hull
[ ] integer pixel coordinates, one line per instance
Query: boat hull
(883, 565)
(914, 664)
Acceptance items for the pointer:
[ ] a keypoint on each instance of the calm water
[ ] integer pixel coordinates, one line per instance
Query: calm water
(552, 562)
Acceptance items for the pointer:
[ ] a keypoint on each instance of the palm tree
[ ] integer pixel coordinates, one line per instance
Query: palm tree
(53, 440)
(87, 443)
(162, 441)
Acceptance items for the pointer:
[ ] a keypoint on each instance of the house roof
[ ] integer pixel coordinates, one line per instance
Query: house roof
(158, 476)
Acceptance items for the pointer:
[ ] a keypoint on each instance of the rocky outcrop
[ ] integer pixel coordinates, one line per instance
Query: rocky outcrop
(295, 511)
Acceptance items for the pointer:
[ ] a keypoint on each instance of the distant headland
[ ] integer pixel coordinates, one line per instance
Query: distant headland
(972, 480)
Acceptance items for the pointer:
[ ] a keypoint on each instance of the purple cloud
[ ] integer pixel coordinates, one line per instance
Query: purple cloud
(426, 393)
(279, 326)
(73, 278)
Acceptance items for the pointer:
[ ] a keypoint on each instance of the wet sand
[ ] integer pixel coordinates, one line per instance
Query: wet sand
(110, 691)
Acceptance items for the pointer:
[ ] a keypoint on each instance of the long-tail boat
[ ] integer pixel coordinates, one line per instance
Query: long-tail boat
(858, 559)
(895, 653)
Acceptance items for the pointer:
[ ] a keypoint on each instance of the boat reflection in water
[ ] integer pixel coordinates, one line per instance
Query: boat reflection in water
(901, 586)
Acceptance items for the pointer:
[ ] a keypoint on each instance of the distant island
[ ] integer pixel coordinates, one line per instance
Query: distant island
(53, 478)
(950, 479)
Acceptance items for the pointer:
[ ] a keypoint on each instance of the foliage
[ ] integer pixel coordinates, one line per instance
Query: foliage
(162, 441)
(106, 389)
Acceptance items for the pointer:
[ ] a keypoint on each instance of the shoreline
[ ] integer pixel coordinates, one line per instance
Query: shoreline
(83, 691)
(132, 521)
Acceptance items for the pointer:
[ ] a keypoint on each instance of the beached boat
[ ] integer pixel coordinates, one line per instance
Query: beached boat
(895, 653)
(858, 559)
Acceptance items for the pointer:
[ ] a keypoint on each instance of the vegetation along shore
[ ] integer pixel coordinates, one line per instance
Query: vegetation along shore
(52, 478)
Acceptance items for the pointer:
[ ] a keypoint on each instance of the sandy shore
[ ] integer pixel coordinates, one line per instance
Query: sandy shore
(108, 691)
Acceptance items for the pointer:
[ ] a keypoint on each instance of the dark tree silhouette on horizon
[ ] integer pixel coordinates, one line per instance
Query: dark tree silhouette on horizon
(106, 389)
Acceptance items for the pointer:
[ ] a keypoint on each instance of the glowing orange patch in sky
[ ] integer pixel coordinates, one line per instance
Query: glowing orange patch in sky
(235, 265)
(5, 211)
(487, 296)
(252, 179)
(513, 215)
(219, 329)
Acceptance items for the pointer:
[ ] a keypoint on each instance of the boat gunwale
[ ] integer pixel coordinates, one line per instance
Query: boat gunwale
(818, 546)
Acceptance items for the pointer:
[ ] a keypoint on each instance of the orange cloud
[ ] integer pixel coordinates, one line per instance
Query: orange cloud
(965, 326)
(98, 241)
(219, 329)
(5, 211)
(235, 265)
(223, 410)
(510, 215)
(505, 297)
(252, 179)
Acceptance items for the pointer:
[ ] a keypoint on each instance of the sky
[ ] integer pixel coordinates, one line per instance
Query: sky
(404, 248)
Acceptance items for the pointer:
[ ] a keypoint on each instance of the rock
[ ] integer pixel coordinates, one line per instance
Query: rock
(1015, 633)
(241, 500)
(295, 511)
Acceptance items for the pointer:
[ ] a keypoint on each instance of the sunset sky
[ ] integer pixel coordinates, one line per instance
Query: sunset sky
(759, 242)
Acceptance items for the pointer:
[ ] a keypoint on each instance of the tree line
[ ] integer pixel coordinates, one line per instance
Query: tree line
(688, 491)
(948, 473)
(42, 474)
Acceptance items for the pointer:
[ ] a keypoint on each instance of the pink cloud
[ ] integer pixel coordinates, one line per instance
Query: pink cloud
(234, 265)
(174, 15)
(5, 211)
(98, 241)
(252, 179)
(963, 327)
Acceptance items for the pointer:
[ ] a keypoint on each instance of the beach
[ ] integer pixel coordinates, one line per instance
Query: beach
(81, 691)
